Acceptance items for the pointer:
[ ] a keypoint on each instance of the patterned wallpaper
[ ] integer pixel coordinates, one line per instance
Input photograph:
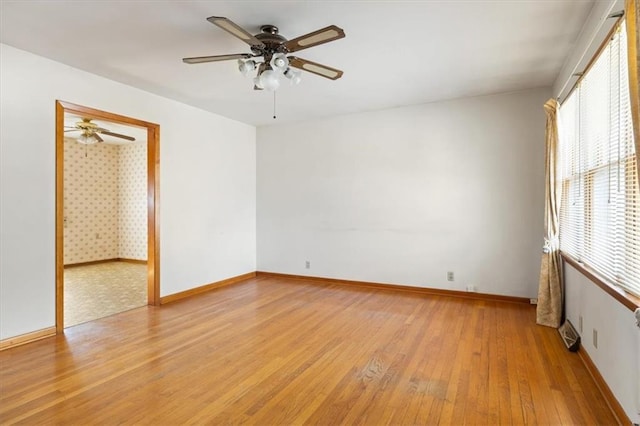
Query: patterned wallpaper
(90, 202)
(132, 201)
(105, 203)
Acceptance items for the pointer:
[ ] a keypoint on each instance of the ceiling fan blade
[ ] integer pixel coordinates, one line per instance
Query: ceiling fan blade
(71, 130)
(315, 38)
(315, 68)
(216, 58)
(117, 135)
(235, 30)
(97, 136)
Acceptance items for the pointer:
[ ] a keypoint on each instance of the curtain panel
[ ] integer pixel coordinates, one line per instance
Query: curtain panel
(632, 22)
(550, 292)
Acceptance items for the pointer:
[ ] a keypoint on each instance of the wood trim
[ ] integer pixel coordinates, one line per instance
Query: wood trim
(153, 166)
(92, 262)
(97, 262)
(136, 261)
(627, 299)
(104, 115)
(22, 339)
(59, 217)
(610, 399)
(398, 287)
(207, 287)
(153, 218)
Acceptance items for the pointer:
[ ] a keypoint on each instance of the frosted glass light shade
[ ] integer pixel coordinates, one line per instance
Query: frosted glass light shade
(246, 67)
(279, 62)
(270, 80)
(294, 76)
(87, 140)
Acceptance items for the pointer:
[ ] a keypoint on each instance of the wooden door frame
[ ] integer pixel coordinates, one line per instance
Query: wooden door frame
(153, 223)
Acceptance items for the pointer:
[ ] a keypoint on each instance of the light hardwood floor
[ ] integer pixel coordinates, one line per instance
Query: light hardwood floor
(284, 351)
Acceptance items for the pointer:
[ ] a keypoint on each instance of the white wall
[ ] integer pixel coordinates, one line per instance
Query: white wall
(404, 195)
(617, 354)
(207, 185)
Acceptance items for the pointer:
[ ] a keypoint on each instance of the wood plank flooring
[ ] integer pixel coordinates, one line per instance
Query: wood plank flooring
(274, 351)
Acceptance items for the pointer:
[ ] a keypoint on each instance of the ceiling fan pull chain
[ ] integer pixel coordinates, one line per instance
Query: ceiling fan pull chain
(274, 104)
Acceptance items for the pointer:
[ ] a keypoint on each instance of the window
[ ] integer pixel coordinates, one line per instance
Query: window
(600, 205)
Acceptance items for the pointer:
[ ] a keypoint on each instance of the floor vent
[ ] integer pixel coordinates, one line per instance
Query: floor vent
(570, 336)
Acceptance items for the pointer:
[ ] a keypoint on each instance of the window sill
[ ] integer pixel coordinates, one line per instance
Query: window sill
(627, 299)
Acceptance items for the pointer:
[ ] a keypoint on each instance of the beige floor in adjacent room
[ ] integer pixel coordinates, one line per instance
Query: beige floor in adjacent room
(96, 291)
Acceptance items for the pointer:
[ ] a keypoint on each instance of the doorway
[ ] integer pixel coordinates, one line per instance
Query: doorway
(115, 264)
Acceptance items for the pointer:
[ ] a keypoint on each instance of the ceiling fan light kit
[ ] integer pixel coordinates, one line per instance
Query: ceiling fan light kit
(269, 54)
(90, 132)
(294, 76)
(269, 80)
(279, 62)
(245, 67)
(87, 139)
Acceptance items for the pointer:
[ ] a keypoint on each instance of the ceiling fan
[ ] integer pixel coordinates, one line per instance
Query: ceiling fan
(90, 132)
(273, 49)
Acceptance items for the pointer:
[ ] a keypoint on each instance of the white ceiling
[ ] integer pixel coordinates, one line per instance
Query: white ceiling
(395, 52)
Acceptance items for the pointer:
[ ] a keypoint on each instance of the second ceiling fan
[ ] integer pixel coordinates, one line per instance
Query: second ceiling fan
(90, 132)
(273, 49)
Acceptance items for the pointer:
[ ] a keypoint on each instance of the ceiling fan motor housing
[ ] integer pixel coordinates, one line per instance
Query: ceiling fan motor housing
(86, 125)
(273, 42)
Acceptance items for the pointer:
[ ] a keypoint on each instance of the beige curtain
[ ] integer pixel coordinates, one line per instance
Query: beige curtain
(550, 304)
(632, 21)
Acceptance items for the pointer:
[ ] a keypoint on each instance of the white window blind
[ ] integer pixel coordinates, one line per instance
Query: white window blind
(600, 206)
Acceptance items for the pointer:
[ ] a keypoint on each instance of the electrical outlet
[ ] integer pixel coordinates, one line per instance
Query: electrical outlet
(533, 301)
(450, 276)
(595, 338)
(307, 264)
(471, 288)
(580, 323)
